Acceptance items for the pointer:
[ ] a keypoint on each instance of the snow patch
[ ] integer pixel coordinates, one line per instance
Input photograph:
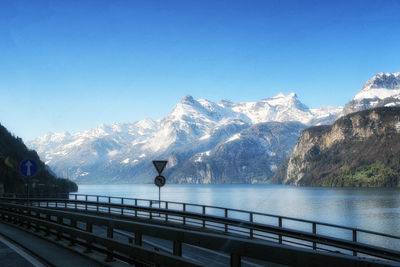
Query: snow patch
(397, 127)
(233, 138)
(112, 153)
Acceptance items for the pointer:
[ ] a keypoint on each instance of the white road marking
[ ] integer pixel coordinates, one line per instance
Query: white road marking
(21, 252)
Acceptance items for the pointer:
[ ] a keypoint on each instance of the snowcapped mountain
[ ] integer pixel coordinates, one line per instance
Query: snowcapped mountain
(381, 90)
(194, 131)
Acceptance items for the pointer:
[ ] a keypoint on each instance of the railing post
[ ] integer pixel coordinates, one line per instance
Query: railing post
(110, 231)
(280, 226)
(135, 207)
(76, 198)
(138, 239)
(109, 208)
(37, 225)
(110, 234)
(251, 220)
(235, 260)
(59, 233)
(204, 213)
(166, 214)
(89, 228)
(354, 240)
(97, 205)
(226, 216)
(151, 205)
(314, 231)
(47, 228)
(177, 250)
(72, 236)
(184, 209)
(86, 202)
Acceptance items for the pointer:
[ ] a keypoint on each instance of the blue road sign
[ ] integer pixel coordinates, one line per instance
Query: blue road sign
(28, 168)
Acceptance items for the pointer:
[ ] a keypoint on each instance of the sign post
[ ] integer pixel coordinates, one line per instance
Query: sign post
(28, 168)
(160, 180)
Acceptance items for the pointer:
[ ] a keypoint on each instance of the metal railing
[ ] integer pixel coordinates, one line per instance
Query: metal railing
(64, 224)
(182, 214)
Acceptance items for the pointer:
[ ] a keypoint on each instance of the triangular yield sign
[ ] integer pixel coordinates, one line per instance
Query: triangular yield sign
(159, 165)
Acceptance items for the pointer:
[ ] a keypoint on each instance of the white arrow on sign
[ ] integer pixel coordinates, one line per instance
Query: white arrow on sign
(28, 168)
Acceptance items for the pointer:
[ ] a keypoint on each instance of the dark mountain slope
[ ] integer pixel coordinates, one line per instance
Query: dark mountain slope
(12, 152)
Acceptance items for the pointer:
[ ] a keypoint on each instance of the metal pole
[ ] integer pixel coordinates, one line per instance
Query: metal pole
(159, 197)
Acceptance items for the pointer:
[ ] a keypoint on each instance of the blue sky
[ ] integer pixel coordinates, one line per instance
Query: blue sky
(71, 65)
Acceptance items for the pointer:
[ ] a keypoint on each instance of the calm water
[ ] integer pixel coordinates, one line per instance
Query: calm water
(367, 208)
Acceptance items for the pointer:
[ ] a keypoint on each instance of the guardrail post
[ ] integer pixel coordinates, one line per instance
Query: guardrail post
(21, 221)
(138, 239)
(251, 220)
(354, 240)
(110, 234)
(110, 231)
(226, 216)
(76, 198)
(151, 205)
(59, 221)
(135, 208)
(184, 209)
(48, 218)
(280, 226)
(72, 236)
(166, 214)
(177, 250)
(29, 225)
(314, 231)
(235, 260)
(86, 202)
(89, 228)
(204, 213)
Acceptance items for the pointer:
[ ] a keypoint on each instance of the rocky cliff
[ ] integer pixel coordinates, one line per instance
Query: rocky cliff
(359, 149)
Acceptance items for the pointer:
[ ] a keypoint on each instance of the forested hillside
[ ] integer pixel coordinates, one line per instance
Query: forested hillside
(12, 152)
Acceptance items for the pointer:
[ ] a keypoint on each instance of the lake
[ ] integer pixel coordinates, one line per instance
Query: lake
(376, 209)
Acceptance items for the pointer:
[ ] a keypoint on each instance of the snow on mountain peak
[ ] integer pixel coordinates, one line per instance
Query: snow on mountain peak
(191, 123)
(380, 86)
(381, 90)
(188, 99)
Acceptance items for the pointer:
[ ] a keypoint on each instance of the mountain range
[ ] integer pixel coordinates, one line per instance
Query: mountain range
(203, 141)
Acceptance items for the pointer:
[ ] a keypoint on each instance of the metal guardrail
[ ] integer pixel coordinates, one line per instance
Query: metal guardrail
(63, 224)
(226, 224)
